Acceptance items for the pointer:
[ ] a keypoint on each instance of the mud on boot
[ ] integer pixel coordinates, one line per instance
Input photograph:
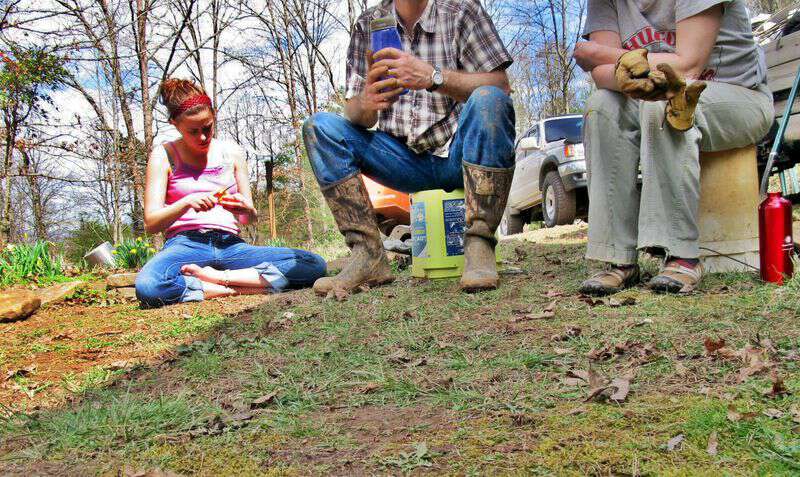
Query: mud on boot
(485, 195)
(352, 209)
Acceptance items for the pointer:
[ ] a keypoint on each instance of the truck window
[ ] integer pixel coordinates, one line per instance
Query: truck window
(532, 132)
(564, 128)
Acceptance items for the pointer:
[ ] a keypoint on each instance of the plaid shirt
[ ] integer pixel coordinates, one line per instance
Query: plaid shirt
(451, 34)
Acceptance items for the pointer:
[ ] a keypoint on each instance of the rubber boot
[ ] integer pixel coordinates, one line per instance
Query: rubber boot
(486, 193)
(352, 209)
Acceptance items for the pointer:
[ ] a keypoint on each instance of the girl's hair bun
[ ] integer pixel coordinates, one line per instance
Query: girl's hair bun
(175, 91)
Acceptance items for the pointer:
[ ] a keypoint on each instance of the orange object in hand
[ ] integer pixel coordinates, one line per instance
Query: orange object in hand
(221, 193)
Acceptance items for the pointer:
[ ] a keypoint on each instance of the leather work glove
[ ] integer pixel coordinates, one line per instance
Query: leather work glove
(682, 99)
(635, 79)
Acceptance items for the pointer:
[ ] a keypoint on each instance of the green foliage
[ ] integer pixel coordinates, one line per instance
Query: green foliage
(88, 235)
(133, 254)
(29, 263)
(408, 461)
(25, 73)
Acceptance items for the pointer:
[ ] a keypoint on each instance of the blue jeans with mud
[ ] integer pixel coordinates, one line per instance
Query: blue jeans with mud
(339, 149)
(161, 283)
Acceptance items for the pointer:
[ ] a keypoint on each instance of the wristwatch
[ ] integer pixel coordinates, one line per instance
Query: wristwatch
(437, 78)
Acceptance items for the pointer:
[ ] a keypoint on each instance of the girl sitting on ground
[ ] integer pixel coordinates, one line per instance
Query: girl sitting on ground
(197, 192)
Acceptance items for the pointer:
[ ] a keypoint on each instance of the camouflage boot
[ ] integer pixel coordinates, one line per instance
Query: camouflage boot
(485, 194)
(353, 212)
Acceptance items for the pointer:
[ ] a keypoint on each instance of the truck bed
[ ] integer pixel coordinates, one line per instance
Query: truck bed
(783, 60)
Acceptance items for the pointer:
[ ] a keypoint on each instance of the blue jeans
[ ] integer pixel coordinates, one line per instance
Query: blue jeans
(161, 283)
(339, 149)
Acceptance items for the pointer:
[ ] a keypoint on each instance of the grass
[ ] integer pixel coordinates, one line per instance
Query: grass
(107, 420)
(418, 377)
(28, 263)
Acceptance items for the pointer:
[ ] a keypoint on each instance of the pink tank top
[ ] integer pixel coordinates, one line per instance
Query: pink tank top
(184, 179)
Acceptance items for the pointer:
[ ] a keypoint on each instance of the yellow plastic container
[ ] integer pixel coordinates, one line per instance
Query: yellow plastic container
(437, 232)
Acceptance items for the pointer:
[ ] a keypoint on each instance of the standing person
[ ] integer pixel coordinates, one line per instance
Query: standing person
(197, 191)
(453, 128)
(645, 115)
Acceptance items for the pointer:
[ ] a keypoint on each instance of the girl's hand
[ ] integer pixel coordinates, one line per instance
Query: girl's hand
(236, 204)
(200, 202)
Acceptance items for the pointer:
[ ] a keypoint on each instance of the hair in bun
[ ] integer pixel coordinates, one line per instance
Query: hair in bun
(179, 96)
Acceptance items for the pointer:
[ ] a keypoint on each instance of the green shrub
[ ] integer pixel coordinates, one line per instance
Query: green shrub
(133, 254)
(87, 236)
(29, 263)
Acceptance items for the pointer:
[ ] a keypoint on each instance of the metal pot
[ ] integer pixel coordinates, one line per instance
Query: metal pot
(101, 256)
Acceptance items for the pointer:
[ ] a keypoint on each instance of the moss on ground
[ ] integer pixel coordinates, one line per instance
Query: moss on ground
(419, 377)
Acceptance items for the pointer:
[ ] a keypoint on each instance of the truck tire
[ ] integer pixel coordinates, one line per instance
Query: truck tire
(558, 204)
(511, 224)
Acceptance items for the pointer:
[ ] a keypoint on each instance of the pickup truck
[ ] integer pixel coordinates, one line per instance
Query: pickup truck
(779, 36)
(550, 177)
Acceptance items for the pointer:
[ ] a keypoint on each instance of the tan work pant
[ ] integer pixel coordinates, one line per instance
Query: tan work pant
(622, 135)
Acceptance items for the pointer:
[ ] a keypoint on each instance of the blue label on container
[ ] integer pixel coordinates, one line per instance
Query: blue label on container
(419, 231)
(455, 222)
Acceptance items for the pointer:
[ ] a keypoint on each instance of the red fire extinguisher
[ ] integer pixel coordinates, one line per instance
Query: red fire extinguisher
(776, 245)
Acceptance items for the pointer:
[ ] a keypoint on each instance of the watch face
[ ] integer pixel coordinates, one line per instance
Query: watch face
(437, 77)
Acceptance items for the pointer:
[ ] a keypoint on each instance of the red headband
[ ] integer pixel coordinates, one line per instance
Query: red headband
(196, 100)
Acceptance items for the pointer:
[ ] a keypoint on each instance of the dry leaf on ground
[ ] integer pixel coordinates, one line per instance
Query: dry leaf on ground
(120, 364)
(571, 332)
(338, 294)
(591, 301)
(547, 312)
(736, 416)
(795, 414)
(417, 363)
(264, 400)
(21, 372)
(642, 351)
(368, 388)
(713, 444)
(616, 389)
(778, 389)
(616, 302)
(410, 315)
(773, 413)
(399, 357)
(623, 387)
(576, 377)
(756, 360)
(713, 346)
(675, 443)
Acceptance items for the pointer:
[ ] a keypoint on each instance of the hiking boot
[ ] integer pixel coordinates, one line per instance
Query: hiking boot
(677, 276)
(353, 212)
(610, 281)
(485, 196)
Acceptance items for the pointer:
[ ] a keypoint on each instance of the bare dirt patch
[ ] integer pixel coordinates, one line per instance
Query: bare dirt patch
(67, 341)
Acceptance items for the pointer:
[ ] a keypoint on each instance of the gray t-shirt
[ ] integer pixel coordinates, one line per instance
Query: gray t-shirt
(735, 59)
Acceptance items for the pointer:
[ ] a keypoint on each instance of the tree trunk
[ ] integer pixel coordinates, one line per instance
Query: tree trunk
(6, 219)
(118, 86)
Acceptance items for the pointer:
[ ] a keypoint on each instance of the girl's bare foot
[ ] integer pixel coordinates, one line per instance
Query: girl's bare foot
(206, 274)
(213, 290)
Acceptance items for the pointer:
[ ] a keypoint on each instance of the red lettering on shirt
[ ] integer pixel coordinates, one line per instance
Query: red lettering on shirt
(708, 75)
(649, 36)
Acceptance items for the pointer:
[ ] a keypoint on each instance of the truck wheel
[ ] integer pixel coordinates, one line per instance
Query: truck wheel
(558, 204)
(511, 224)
